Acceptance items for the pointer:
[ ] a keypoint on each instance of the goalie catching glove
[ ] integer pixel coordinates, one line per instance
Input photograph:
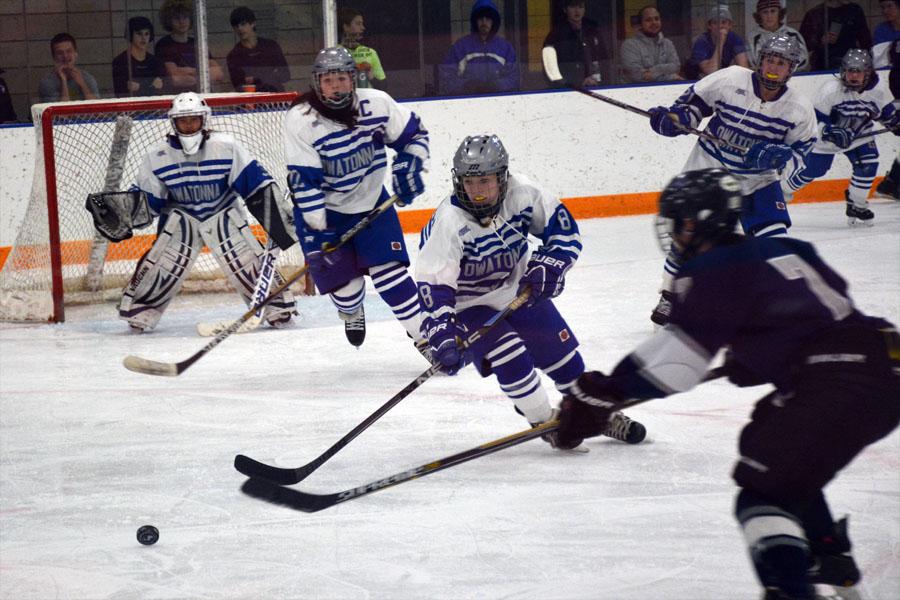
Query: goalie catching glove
(545, 274)
(117, 214)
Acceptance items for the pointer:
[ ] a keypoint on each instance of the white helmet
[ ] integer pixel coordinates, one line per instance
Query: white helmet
(189, 104)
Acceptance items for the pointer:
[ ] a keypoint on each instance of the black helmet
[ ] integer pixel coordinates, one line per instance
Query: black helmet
(710, 198)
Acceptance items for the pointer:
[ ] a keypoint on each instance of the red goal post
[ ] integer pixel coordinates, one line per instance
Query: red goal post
(55, 260)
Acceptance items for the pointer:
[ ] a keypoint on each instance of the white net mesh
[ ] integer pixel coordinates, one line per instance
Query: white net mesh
(80, 144)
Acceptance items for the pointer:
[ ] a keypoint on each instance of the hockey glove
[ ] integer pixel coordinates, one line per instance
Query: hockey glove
(407, 177)
(838, 136)
(546, 274)
(766, 155)
(738, 374)
(663, 120)
(314, 243)
(579, 420)
(445, 337)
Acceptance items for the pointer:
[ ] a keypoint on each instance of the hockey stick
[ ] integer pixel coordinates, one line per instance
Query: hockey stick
(290, 476)
(260, 291)
(115, 167)
(153, 367)
(551, 69)
(307, 502)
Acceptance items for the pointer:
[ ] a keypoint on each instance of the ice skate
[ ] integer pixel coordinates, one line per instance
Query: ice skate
(832, 568)
(625, 429)
(859, 216)
(660, 314)
(355, 326)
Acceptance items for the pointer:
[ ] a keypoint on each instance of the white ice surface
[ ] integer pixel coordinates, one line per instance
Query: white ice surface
(90, 451)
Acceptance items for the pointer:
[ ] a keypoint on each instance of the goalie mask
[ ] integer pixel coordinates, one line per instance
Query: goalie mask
(481, 156)
(189, 104)
(778, 46)
(706, 203)
(334, 60)
(856, 69)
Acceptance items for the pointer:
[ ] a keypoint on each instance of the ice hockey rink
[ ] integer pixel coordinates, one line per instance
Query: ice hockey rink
(90, 451)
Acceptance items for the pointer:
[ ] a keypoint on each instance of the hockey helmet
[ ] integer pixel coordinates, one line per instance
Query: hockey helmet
(480, 155)
(710, 199)
(859, 61)
(334, 60)
(189, 104)
(783, 46)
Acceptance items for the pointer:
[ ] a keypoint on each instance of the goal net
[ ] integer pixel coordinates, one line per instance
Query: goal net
(84, 147)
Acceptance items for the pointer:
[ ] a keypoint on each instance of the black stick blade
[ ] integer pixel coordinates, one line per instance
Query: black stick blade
(279, 475)
(289, 497)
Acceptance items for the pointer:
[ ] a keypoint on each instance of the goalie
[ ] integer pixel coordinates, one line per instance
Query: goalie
(192, 181)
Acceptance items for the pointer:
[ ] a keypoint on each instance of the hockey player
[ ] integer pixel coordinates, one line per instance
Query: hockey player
(847, 108)
(192, 181)
(890, 185)
(749, 109)
(789, 322)
(474, 260)
(335, 138)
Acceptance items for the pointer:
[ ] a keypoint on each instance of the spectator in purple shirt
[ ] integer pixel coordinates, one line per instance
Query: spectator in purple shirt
(255, 61)
(481, 62)
(135, 71)
(177, 52)
(718, 48)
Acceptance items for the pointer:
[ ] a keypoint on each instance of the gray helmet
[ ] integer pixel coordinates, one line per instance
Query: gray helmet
(784, 46)
(857, 59)
(334, 60)
(480, 155)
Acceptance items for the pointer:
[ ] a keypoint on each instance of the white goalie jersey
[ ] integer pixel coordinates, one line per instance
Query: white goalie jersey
(202, 184)
(484, 264)
(330, 165)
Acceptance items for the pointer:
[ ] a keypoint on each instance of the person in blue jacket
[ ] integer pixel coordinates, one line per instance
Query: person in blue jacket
(481, 62)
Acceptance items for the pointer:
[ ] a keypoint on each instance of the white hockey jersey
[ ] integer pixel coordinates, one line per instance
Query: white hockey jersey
(856, 111)
(483, 264)
(203, 184)
(739, 116)
(343, 169)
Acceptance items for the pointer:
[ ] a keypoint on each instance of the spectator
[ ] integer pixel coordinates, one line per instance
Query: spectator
(481, 62)
(7, 112)
(135, 71)
(718, 48)
(255, 62)
(832, 28)
(582, 56)
(66, 82)
(647, 55)
(769, 16)
(176, 51)
(368, 65)
(886, 33)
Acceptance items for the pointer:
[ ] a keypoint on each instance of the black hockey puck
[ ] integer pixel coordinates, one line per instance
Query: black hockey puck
(147, 535)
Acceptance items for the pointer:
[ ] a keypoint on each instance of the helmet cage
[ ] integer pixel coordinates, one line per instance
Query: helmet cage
(190, 104)
(334, 60)
(479, 156)
(857, 60)
(782, 46)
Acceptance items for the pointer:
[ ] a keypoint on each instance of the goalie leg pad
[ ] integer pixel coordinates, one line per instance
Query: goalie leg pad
(239, 254)
(161, 271)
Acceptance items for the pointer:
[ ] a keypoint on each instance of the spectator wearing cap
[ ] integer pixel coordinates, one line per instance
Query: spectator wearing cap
(582, 57)
(368, 65)
(769, 17)
(648, 55)
(135, 71)
(718, 48)
(7, 112)
(481, 62)
(177, 51)
(886, 33)
(67, 81)
(832, 28)
(255, 63)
